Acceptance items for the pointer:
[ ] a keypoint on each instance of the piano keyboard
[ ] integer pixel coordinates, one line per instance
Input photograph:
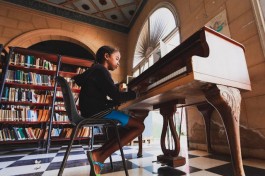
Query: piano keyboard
(168, 77)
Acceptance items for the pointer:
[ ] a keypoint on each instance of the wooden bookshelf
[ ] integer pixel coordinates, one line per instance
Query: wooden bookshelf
(52, 67)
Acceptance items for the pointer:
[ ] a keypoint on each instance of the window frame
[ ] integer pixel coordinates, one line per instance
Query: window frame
(145, 60)
(260, 19)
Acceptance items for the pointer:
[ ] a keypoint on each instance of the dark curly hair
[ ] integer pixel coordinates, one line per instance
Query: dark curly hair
(102, 51)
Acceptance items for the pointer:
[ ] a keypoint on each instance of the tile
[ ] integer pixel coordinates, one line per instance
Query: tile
(219, 157)
(118, 166)
(38, 156)
(207, 162)
(20, 170)
(198, 153)
(152, 168)
(132, 172)
(6, 164)
(70, 157)
(74, 147)
(44, 151)
(204, 173)
(227, 169)
(72, 150)
(254, 163)
(134, 155)
(3, 152)
(31, 174)
(70, 163)
(31, 162)
(73, 171)
(253, 171)
(143, 162)
(188, 169)
(23, 150)
(13, 154)
(164, 171)
(115, 158)
(12, 158)
(192, 156)
(71, 153)
(198, 163)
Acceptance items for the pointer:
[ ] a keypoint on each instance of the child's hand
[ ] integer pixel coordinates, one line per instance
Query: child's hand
(123, 87)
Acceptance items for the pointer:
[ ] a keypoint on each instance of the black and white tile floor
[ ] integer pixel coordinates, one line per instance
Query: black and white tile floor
(34, 162)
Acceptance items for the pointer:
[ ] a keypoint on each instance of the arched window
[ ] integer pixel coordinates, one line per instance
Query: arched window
(159, 35)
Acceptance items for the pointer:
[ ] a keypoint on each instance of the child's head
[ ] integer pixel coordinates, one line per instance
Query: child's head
(108, 56)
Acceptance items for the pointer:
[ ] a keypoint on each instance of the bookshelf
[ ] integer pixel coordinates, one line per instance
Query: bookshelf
(3, 66)
(59, 124)
(32, 108)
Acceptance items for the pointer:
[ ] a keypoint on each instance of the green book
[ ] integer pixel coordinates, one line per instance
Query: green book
(20, 131)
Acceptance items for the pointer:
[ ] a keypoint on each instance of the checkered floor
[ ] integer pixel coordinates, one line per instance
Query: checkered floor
(32, 161)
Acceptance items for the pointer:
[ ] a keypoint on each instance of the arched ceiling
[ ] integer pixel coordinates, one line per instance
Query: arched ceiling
(117, 15)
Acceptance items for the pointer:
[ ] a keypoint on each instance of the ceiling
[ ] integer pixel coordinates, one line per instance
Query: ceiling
(117, 15)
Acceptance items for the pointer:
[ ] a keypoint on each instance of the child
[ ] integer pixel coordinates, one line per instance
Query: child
(96, 85)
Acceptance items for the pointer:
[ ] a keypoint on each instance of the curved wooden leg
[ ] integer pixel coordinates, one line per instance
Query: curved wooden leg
(226, 100)
(206, 111)
(168, 113)
(170, 156)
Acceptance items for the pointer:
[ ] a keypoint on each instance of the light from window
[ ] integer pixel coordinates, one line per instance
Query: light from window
(160, 27)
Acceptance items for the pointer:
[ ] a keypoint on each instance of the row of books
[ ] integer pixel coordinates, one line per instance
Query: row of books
(80, 70)
(30, 115)
(66, 132)
(19, 133)
(60, 117)
(59, 106)
(41, 63)
(20, 94)
(24, 114)
(71, 83)
(75, 95)
(29, 133)
(19, 76)
(31, 61)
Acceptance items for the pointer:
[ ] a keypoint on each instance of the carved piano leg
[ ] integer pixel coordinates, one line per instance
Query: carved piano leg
(206, 111)
(170, 156)
(140, 115)
(226, 100)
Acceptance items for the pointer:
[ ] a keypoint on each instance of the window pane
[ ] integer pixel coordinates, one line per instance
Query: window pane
(160, 25)
(170, 44)
(162, 22)
(141, 46)
(136, 73)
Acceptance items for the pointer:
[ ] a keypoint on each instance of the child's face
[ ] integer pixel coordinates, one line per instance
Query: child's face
(113, 60)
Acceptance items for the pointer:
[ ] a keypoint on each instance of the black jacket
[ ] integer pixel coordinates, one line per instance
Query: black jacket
(96, 85)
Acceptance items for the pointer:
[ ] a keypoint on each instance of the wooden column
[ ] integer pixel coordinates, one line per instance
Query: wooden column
(227, 100)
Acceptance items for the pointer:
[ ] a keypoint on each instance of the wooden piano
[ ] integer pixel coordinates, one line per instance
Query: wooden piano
(208, 70)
